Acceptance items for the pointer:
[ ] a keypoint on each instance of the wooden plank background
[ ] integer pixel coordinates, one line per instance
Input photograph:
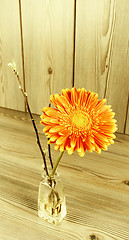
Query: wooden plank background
(48, 48)
(99, 61)
(101, 56)
(10, 47)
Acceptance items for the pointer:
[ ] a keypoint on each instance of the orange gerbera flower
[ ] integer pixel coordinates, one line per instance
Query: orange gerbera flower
(79, 121)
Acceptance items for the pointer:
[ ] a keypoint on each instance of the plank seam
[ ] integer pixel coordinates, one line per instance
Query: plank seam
(126, 114)
(74, 42)
(111, 47)
(22, 51)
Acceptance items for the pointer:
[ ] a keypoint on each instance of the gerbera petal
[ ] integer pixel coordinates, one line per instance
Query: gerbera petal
(80, 146)
(70, 150)
(62, 148)
(94, 102)
(67, 94)
(46, 120)
(111, 141)
(91, 139)
(57, 147)
(82, 97)
(61, 101)
(63, 132)
(46, 123)
(107, 113)
(47, 128)
(79, 121)
(53, 100)
(90, 99)
(61, 110)
(111, 128)
(82, 153)
(100, 136)
(73, 142)
(100, 143)
(106, 130)
(60, 140)
(67, 144)
(82, 149)
(55, 128)
(51, 112)
(100, 104)
(89, 146)
(111, 135)
(54, 120)
(97, 148)
(74, 95)
(53, 138)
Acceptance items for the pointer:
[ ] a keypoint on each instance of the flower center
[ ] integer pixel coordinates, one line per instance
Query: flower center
(80, 120)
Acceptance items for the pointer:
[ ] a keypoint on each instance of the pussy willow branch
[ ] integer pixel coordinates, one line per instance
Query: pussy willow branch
(49, 152)
(33, 122)
(49, 149)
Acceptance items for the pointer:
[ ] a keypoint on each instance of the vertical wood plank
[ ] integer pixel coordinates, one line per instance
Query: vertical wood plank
(48, 48)
(94, 35)
(118, 82)
(85, 44)
(127, 118)
(10, 47)
(102, 33)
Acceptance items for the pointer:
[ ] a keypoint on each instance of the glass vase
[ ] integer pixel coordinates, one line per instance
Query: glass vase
(51, 199)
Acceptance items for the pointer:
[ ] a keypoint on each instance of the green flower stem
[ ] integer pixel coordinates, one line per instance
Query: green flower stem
(56, 163)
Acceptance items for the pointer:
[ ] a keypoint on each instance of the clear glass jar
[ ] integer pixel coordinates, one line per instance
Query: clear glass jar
(51, 199)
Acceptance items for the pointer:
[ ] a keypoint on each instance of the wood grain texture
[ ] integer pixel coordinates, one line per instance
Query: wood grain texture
(10, 48)
(118, 82)
(85, 45)
(48, 48)
(96, 187)
(101, 57)
(127, 118)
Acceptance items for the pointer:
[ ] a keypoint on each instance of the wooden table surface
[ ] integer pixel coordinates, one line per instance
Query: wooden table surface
(96, 187)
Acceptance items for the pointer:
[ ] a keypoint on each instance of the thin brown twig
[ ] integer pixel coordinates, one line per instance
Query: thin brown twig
(33, 122)
(49, 152)
(49, 149)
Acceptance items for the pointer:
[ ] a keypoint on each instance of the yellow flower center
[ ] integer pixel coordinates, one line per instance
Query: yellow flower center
(80, 120)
